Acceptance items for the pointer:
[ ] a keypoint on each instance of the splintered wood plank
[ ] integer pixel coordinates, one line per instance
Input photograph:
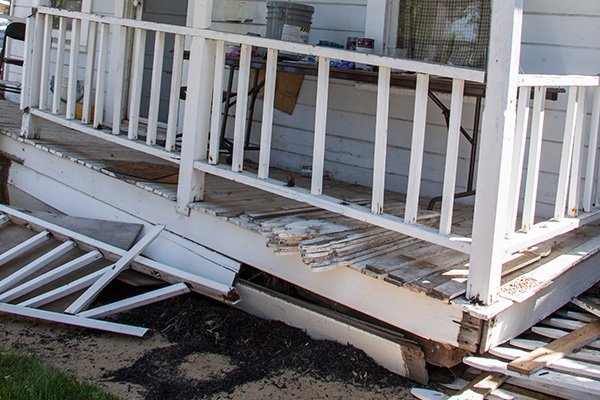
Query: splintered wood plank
(584, 354)
(481, 387)
(4, 220)
(555, 350)
(544, 376)
(73, 320)
(561, 365)
(558, 333)
(589, 304)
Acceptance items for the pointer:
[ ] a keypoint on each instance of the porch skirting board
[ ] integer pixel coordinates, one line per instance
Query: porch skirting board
(404, 358)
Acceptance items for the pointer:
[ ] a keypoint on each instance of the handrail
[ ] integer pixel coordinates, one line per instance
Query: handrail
(558, 80)
(467, 74)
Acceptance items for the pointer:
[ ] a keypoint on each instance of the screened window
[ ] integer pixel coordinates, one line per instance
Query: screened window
(71, 5)
(452, 32)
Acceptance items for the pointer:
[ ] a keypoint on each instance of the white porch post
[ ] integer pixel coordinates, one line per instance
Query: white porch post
(196, 121)
(32, 72)
(495, 154)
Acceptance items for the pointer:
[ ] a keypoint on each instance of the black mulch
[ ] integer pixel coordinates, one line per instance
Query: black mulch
(259, 349)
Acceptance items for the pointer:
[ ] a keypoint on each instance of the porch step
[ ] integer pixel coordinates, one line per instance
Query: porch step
(53, 273)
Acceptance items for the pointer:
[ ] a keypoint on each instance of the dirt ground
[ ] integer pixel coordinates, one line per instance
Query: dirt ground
(204, 350)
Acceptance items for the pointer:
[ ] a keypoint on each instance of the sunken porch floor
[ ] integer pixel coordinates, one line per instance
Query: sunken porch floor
(325, 241)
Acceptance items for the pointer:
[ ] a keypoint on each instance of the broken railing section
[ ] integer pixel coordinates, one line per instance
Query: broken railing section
(20, 283)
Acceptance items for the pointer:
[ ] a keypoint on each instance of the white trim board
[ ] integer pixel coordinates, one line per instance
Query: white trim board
(401, 359)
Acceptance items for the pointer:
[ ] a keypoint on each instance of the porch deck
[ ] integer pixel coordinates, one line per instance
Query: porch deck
(323, 240)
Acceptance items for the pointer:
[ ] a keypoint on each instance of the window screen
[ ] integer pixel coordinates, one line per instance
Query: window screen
(452, 32)
(71, 5)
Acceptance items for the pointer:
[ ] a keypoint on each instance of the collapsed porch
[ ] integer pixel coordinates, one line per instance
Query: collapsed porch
(293, 242)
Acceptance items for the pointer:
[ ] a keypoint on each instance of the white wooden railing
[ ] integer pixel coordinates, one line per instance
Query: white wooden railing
(573, 206)
(108, 38)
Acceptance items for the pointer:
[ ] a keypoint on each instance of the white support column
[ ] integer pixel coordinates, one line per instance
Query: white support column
(495, 153)
(196, 122)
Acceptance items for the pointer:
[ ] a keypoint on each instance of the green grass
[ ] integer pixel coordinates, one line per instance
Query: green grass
(25, 377)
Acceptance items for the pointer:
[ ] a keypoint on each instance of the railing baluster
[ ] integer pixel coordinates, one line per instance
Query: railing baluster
(118, 76)
(523, 113)
(46, 54)
(535, 154)
(322, 105)
(567, 154)
(73, 68)
(157, 71)
(575, 176)
(137, 77)
(60, 63)
(27, 63)
(417, 149)
(89, 72)
(381, 136)
(101, 75)
(590, 174)
(176, 78)
(456, 109)
(241, 108)
(217, 104)
(267, 117)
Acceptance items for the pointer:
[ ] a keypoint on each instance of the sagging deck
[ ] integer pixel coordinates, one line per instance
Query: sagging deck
(322, 240)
